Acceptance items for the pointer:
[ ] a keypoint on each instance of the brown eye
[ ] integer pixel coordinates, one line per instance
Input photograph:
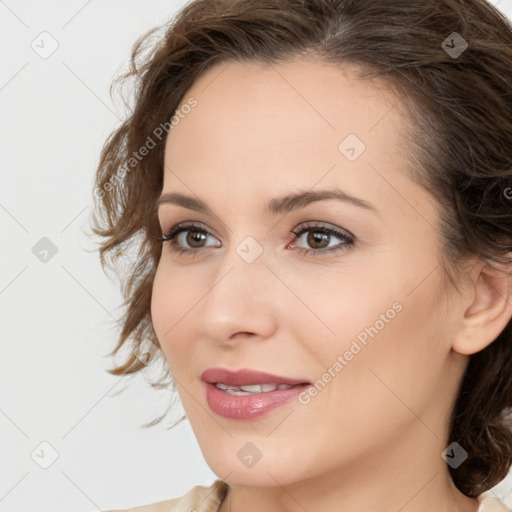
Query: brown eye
(319, 239)
(195, 238)
(188, 238)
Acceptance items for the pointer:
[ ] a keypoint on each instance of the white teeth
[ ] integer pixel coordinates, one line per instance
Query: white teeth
(237, 392)
(256, 388)
(251, 389)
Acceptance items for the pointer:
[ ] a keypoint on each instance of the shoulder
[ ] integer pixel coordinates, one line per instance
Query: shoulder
(208, 499)
(489, 503)
(198, 499)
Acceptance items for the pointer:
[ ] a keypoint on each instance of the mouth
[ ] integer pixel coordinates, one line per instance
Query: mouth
(252, 388)
(247, 394)
(246, 377)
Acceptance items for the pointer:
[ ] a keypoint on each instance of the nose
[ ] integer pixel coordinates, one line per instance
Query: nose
(241, 303)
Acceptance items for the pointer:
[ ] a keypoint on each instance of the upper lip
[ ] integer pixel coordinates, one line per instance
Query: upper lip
(245, 377)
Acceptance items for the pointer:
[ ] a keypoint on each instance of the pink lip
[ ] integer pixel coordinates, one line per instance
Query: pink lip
(245, 377)
(248, 406)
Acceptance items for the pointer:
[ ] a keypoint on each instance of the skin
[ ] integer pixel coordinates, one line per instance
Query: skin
(372, 438)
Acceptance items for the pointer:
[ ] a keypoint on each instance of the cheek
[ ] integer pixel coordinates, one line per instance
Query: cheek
(172, 301)
(388, 337)
(387, 334)
(392, 360)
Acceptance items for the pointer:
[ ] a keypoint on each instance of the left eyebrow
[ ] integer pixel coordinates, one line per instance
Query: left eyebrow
(301, 199)
(275, 206)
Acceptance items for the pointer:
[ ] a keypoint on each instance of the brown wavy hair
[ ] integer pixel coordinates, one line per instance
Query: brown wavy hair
(459, 144)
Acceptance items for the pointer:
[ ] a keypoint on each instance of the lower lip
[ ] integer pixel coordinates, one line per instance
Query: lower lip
(249, 406)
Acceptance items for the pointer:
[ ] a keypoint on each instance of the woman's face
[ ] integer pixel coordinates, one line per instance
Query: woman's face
(360, 312)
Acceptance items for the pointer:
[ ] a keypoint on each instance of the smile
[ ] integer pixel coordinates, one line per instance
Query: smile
(251, 389)
(247, 394)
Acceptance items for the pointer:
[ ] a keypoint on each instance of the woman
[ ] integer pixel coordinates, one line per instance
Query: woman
(321, 195)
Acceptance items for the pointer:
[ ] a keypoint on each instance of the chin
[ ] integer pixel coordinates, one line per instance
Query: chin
(251, 477)
(269, 471)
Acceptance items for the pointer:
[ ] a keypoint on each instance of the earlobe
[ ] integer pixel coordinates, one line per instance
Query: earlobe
(489, 310)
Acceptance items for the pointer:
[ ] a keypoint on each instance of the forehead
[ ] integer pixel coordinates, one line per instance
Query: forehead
(300, 98)
(260, 129)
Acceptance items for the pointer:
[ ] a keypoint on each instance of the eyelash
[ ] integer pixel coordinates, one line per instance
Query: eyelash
(347, 239)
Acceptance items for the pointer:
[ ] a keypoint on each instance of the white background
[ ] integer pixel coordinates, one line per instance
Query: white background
(58, 317)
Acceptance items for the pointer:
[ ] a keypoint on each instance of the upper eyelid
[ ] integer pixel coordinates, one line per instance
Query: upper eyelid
(301, 227)
(189, 226)
(305, 224)
(319, 224)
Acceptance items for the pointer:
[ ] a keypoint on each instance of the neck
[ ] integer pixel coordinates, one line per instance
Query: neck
(411, 478)
(422, 495)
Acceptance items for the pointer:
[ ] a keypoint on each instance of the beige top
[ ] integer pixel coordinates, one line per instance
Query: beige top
(208, 499)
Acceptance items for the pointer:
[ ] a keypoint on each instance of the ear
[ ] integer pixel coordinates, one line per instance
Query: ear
(489, 296)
